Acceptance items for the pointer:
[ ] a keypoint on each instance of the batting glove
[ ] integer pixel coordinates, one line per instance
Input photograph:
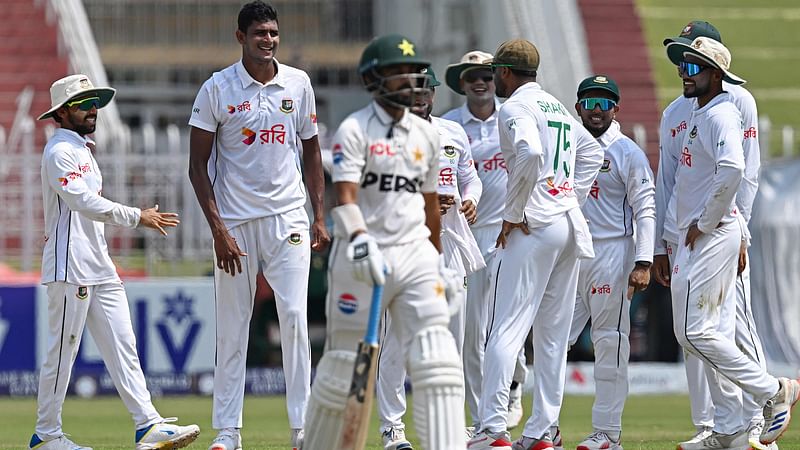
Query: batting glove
(453, 286)
(367, 259)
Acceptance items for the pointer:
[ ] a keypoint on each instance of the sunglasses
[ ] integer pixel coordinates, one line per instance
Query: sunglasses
(475, 75)
(85, 104)
(690, 69)
(495, 66)
(590, 104)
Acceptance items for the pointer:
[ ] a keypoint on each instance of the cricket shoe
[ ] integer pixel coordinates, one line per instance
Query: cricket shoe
(297, 438)
(59, 443)
(487, 440)
(778, 410)
(719, 441)
(702, 433)
(469, 432)
(599, 441)
(514, 407)
(227, 439)
(165, 435)
(558, 443)
(753, 434)
(527, 443)
(394, 438)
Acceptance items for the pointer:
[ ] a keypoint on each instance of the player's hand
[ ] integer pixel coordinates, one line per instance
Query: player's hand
(367, 259)
(446, 201)
(151, 218)
(470, 211)
(508, 227)
(320, 239)
(742, 258)
(228, 253)
(661, 270)
(692, 235)
(639, 279)
(453, 286)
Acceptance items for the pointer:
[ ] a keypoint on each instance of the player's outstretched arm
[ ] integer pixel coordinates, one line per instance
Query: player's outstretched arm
(152, 218)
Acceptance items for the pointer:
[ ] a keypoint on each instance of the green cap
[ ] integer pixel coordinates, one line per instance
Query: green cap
(429, 72)
(599, 82)
(695, 29)
(388, 50)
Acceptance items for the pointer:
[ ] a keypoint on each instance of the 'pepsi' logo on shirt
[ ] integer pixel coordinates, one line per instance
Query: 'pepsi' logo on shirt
(338, 156)
(347, 303)
(388, 182)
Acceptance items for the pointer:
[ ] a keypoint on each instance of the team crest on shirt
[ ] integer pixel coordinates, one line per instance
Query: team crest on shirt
(287, 105)
(83, 292)
(295, 239)
(606, 167)
(693, 133)
(450, 151)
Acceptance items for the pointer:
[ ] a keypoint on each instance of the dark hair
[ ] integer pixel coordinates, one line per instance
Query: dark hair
(256, 11)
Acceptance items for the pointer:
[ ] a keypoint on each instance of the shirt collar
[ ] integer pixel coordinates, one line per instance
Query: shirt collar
(388, 120)
(611, 134)
(247, 80)
(71, 136)
(720, 98)
(530, 85)
(466, 114)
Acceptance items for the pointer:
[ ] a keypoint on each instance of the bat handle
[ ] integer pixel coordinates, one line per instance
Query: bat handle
(371, 337)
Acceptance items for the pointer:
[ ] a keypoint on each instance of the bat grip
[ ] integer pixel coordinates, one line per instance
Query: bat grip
(371, 337)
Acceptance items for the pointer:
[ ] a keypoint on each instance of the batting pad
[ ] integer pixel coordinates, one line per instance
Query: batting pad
(328, 396)
(438, 382)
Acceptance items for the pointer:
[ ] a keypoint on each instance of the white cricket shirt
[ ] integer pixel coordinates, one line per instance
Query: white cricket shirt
(75, 249)
(552, 160)
(489, 162)
(672, 131)
(622, 193)
(711, 166)
(254, 166)
(457, 174)
(394, 163)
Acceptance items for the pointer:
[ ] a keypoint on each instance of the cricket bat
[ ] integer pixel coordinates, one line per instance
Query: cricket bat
(362, 386)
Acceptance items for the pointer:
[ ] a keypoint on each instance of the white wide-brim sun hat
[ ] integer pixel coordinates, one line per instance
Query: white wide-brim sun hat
(72, 86)
(710, 51)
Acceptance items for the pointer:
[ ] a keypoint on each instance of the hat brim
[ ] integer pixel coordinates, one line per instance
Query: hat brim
(452, 76)
(105, 94)
(602, 88)
(677, 51)
(680, 39)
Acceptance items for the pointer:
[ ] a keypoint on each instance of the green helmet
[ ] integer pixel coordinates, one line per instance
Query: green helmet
(387, 50)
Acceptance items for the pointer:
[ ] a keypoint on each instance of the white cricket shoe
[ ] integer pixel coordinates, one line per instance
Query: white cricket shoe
(778, 410)
(486, 440)
(558, 443)
(697, 438)
(514, 407)
(394, 438)
(753, 434)
(297, 438)
(527, 443)
(719, 441)
(165, 435)
(59, 443)
(599, 441)
(469, 432)
(227, 439)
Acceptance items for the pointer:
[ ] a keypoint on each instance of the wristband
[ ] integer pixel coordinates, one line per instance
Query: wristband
(348, 218)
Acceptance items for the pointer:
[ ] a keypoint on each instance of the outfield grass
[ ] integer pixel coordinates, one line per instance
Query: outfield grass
(651, 422)
(764, 43)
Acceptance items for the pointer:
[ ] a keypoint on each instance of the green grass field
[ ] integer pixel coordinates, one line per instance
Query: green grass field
(762, 38)
(650, 422)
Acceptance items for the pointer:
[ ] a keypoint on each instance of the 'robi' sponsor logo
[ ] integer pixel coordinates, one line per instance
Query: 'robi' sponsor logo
(601, 290)
(249, 136)
(347, 303)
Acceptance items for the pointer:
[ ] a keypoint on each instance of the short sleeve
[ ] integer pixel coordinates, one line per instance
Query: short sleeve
(203, 110)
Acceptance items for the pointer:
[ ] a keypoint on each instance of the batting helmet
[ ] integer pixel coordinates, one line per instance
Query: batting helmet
(388, 50)
(393, 50)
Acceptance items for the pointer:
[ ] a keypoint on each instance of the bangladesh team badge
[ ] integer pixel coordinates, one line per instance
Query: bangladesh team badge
(449, 151)
(287, 105)
(295, 239)
(606, 166)
(83, 292)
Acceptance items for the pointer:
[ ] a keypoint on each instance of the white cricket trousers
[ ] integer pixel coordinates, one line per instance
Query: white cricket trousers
(477, 310)
(533, 284)
(602, 291)
(703, 280)
(103, 308)
(278, 246)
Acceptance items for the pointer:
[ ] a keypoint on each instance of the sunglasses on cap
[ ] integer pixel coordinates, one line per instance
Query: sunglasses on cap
(85, 104)
(605, 104)
(475, 75)
(495, 66)
(690, 69)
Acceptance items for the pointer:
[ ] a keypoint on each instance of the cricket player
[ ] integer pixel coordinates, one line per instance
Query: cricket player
(385, 170)
(621, 199)
(83, 288)
(472, 78)
(731, 409)
(459, 192)
(710, 236)
(247, 122)
(552, 161)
